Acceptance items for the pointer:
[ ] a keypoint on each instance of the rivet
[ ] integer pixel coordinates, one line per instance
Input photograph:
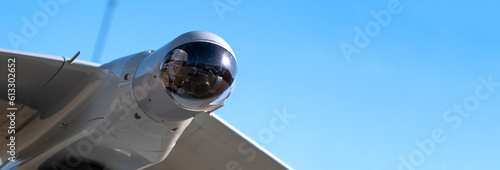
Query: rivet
(137, 116)
(63, 125)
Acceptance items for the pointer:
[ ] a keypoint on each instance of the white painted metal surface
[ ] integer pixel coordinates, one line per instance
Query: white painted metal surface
(117, 116)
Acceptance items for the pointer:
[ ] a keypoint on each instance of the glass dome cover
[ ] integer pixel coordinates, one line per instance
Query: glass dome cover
(199, 75)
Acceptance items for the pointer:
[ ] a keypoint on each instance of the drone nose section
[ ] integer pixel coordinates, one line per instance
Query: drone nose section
(193, 73)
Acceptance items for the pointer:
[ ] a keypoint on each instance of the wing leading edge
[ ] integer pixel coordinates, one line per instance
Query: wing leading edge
(211, 143)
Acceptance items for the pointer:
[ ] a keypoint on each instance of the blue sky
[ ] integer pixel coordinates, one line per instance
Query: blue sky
(380, 84)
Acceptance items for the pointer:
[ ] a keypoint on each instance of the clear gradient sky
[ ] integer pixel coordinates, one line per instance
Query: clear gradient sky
(381, 84)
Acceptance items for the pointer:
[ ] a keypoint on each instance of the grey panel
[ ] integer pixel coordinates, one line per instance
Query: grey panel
(210, 143)
(62, 86)
(32, 72)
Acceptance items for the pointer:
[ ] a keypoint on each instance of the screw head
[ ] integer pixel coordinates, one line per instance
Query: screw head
(137, 116)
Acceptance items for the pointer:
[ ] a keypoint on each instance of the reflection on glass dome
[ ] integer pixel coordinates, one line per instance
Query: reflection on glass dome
(198, 75)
